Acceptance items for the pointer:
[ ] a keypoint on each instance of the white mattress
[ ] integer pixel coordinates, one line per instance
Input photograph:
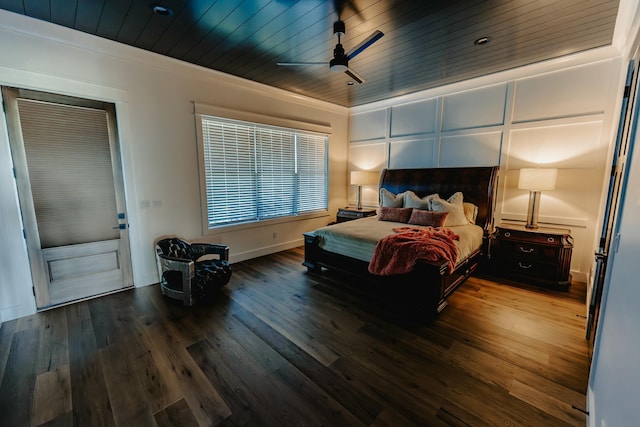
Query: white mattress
(358, 238)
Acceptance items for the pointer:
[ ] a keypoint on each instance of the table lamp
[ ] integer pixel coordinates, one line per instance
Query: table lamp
(535, 180)
(361, 178)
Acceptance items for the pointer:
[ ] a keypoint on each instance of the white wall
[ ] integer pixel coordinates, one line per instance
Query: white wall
(559, 114)
(154, 99)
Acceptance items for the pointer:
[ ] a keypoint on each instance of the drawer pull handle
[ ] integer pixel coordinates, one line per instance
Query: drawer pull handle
(507, 234)
(526, 267)
(526, 251)
(551, 239)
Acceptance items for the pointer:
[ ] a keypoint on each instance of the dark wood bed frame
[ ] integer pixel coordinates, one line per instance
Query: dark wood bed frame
(425, 290)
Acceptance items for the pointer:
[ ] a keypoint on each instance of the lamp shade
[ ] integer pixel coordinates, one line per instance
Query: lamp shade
(364, 177)
(537, 179)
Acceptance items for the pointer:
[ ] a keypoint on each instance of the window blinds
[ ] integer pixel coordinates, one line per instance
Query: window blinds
(70, 172)
(255, 172)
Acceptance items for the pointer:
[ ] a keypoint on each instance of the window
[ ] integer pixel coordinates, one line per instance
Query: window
(255, 172)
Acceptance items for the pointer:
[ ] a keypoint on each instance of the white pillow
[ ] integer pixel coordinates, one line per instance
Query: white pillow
(470, 211)
(453, 205)
(411, 200)
(390, 200)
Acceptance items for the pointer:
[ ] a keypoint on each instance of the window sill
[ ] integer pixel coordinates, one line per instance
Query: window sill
(265, 223)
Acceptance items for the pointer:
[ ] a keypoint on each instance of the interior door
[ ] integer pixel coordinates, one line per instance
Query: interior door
(69, 178)
(624, 141)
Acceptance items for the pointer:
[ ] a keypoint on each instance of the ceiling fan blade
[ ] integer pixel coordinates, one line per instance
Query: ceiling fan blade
(377, 34)
(291, 64)
(355, 76)
(340, 5)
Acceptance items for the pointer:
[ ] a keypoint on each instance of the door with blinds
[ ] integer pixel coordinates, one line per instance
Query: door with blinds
(69, 179)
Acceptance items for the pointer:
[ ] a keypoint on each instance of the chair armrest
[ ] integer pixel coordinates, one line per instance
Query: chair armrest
(173, 259)
(200, 249)
(186, 266)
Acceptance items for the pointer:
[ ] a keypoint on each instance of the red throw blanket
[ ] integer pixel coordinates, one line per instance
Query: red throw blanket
(398, 253)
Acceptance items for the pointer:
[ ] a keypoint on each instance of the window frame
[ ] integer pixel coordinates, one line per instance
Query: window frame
(260, 120)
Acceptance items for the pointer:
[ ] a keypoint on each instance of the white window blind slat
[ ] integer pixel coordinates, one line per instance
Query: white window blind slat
(255, 172)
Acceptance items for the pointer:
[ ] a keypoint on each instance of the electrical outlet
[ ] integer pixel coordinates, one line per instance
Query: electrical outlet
(144, 204)
(157, 203)
(275, 234)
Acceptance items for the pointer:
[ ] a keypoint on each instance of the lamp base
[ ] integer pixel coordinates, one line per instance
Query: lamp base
(359, 198)
(532, 211)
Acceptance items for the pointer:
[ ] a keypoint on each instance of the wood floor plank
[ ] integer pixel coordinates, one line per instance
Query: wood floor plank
(90, 398)
(559, 408)
(156, 385)
(288, 324)
(390, 417)
(128, 401)
(177, 415)
(18, 381)
(242, 403)
(64, 420)
(311, 400)
(361, 402)
(53, 349)
(174, 359)
(455, 415)
(52, 395)
(457, 384)
(6, 338)
(225, 360)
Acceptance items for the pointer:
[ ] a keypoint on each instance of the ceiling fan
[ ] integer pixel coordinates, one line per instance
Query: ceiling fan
(340, 61)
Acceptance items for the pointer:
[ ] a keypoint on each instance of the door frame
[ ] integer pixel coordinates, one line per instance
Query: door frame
(38, 269)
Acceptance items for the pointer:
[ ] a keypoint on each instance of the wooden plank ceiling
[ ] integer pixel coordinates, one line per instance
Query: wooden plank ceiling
(426, 43)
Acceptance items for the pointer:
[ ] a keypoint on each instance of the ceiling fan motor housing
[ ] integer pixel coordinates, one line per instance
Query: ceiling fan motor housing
(340, 62)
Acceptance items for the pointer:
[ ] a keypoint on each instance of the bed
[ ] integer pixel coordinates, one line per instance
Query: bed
(421, 292)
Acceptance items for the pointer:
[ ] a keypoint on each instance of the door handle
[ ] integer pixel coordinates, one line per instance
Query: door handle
(120, 227)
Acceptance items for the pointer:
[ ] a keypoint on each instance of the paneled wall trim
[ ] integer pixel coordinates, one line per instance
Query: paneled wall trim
(562, 119)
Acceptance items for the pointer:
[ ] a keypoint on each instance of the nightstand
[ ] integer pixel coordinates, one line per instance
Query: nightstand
(540, 256)
(348, 214)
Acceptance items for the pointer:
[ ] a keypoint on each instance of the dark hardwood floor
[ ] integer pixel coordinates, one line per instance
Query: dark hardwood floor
(282, 347)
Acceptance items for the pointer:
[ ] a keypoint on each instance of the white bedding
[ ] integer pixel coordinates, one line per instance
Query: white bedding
(358, 238)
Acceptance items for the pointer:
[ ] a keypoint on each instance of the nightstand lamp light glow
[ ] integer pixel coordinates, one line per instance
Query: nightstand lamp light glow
(361, 178)
(535, 180)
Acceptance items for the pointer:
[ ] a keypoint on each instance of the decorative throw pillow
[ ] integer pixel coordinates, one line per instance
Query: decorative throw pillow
(470, 211)
(390, 200)
(428, 218)
(394, 214)
(453, 205)
(411, 200)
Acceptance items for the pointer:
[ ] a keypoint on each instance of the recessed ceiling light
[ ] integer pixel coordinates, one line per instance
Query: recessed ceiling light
(481, 41)
(158, 9)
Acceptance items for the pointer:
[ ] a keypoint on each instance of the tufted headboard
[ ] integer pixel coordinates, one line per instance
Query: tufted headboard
(477, 184)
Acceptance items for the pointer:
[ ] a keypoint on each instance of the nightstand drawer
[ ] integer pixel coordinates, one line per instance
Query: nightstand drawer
(528, 269)
(526, 251)
(531, 237)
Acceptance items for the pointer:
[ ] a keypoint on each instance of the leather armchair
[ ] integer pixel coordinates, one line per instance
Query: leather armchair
(185, 276)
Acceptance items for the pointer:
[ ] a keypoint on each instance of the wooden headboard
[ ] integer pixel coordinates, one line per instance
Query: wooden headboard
(477, 184)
